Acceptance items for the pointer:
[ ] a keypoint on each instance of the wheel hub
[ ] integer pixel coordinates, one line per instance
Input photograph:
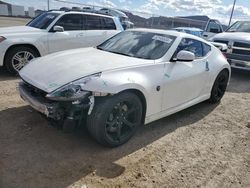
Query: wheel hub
(20, 59)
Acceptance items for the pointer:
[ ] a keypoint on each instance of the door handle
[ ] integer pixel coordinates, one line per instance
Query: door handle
(207, 66)
(205, 35)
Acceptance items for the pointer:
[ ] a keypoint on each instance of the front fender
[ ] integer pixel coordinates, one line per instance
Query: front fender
(40, 44)
(114, 83)
(142, 78)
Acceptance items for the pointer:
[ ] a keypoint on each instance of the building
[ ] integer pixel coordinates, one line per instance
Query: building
(4, 10)
(17, 10)
(31, 12)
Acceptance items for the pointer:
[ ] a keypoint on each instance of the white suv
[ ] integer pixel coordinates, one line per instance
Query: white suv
(51, 32)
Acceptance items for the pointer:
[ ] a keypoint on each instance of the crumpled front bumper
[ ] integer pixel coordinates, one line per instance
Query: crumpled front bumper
(54, 109)
(49, 109)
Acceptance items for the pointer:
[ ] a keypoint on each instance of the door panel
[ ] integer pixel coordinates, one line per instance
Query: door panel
(66, 40)
(184, 81)
(72, 37)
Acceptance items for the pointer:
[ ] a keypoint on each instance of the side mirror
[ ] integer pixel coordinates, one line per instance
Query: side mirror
(58, 28)
(185, 56)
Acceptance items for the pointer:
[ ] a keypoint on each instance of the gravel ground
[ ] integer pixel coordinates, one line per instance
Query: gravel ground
(203, 146)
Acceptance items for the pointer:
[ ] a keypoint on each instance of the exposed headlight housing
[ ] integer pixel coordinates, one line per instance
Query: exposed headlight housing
(72, 91)
(2, 38)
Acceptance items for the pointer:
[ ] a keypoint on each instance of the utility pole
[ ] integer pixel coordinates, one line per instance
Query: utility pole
(48, 5)
(232, 13)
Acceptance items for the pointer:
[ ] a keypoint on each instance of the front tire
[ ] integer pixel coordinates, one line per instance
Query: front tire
(17, 57)
(115, 119)
(219, 87)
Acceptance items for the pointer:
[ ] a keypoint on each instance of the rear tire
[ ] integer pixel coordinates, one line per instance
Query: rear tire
(115, 119)
(219, 87)
(17, 57)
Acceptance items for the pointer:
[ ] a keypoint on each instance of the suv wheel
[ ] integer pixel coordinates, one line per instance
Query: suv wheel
(18, 57)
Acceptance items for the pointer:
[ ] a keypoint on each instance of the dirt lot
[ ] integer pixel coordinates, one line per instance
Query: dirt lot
(203, 146)
(206, 145)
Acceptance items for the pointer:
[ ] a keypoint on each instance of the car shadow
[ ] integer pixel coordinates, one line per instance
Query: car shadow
(34, 154)
(240, 82)
(5, 75)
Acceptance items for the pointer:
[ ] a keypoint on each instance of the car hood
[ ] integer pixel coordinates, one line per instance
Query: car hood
(17, 29)
(234, 36)
(50, 72)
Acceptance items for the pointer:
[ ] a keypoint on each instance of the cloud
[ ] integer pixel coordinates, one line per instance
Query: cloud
(108, 3)
(212, 8)
(102, 3)
(149, 8)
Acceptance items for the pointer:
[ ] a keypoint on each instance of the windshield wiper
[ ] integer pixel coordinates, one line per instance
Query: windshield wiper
(120, 53)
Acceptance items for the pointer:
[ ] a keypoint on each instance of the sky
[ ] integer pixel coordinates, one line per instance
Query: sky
(217, 9)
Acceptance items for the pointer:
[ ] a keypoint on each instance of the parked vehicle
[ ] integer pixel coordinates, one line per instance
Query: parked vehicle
(54, 31)
(190, 30)
(212, 28)
(124, 82)
(121, 15)
(237, 39)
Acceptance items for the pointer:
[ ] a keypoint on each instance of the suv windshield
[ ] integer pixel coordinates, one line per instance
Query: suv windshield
(43, 20)
(243, 26)
(145, 45)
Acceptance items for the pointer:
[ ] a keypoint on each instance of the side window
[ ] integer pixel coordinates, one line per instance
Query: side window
(213, 27)
(190, 45)
(70, 22)
(93, 22)
(108, 24)
(206, 49)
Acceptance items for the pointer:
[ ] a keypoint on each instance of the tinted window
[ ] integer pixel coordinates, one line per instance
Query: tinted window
(206, 49)
(191, 45)
(145, 45)
(93, 23)
(214, 27)
(70, 22)
(43, 20)
(108, 24)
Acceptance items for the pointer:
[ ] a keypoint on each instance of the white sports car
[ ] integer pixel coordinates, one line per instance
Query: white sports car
(134, 78)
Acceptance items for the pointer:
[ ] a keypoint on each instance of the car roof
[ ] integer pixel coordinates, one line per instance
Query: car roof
(189, 28)
(81, 12)
(120, 13)
(171, 32)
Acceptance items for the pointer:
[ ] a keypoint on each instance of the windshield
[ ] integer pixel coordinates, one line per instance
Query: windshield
(145, 45)
(43, 20)
(240, 27)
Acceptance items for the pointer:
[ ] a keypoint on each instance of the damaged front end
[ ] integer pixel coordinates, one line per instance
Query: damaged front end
(56, 110)
(69, 102)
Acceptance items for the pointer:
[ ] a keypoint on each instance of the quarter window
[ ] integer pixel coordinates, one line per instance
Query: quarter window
(108, 24)
(71, 22)
(206, 49)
